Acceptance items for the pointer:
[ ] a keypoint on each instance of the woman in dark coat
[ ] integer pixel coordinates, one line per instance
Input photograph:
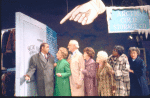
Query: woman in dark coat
(90, 84)
(138, 81)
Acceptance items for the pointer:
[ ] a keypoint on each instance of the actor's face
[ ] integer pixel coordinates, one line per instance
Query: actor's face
(115, 53)
(85, 55)
(133, 54)
(59, 55)
(98, 60)
(45, 49)
(71, 47)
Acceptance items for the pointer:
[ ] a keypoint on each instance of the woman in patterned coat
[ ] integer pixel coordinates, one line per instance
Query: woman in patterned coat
(105, 78)
(90, 84)
(121, 67)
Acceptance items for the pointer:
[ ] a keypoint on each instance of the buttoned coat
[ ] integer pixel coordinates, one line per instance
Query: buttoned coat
(90, 81)
(62, 84)
(43, 70)
(76, 64)
(138, 80)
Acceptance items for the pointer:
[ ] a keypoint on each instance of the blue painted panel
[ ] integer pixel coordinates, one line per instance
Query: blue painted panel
(52, 41)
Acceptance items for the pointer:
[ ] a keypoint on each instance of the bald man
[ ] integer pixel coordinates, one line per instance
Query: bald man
(76, 64)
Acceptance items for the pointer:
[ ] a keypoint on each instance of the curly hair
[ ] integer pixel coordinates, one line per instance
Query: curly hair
(90, 51)
(103, 56)
(64, 52)
(134, 49)
(120, 49)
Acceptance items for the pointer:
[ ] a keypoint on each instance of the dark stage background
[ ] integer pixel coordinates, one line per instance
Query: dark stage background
(95, 35)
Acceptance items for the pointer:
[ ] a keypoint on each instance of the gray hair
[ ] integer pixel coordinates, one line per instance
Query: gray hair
(75, 43)
(134, 49)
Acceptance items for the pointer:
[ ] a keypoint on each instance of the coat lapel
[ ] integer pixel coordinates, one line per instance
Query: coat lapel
(43, 60)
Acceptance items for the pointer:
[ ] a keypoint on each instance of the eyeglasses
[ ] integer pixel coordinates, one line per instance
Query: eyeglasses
(115, 50)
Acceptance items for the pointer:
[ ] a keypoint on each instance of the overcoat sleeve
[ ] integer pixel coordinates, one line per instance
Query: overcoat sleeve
(67, 70)
(113, 83)
(139, 71)
(125, 67)
(91, 72)
(32, 67)
(81, 66)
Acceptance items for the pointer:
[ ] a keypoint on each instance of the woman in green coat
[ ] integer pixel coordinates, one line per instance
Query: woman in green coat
(62, 73)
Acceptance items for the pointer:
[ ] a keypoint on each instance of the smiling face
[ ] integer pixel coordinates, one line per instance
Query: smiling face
(59, 55)
(133, 54)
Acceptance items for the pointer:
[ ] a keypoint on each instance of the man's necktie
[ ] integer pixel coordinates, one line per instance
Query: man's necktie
(45, 57)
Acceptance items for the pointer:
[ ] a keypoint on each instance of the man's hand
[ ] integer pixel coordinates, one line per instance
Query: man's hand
(113, 91)
(85, 13)
(27, 77)
(78, 86)
(55, 64)
(59, 74)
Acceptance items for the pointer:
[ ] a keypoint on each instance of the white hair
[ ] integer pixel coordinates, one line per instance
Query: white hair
(75, 43)
(102, 55)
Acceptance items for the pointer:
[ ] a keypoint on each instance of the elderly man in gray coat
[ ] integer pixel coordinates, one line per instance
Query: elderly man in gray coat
(42, 64)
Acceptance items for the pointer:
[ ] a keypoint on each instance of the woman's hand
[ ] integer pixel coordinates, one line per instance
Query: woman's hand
(84, 71)
(59, 74)
(55, 64)
(112, 72)
(131, 71)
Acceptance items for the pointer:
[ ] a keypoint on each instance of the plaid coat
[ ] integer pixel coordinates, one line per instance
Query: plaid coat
(121, 68)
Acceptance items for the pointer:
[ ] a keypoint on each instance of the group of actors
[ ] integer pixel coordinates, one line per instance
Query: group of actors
(80, 75)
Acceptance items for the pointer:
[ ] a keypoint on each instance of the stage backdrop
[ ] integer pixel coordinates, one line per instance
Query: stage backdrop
(30, 33)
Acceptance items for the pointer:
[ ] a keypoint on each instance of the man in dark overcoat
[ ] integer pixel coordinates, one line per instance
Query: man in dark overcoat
(42, 65)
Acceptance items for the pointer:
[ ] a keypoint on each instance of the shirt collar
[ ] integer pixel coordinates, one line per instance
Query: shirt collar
(43, 54)
(74, 52)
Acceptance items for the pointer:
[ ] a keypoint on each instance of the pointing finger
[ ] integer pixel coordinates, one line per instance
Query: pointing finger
(68, 15)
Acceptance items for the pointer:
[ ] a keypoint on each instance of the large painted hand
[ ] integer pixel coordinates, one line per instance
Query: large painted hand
(85, 13)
